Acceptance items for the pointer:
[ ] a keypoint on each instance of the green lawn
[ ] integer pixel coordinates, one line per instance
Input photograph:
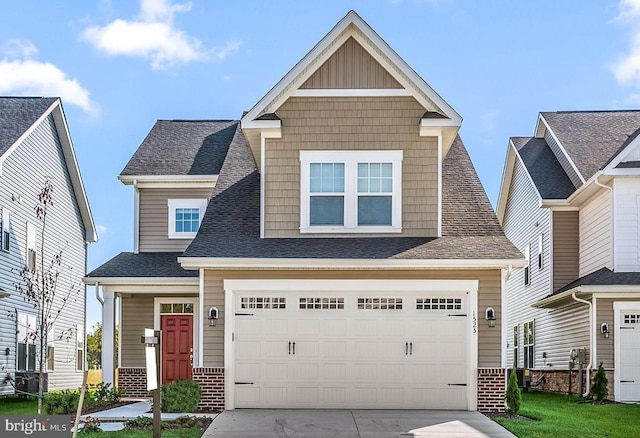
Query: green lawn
(13, 405)
(563, 416)
(170, 433)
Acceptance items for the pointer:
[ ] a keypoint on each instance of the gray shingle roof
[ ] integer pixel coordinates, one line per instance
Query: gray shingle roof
(603, 277)
(183, 147)
(18, 114)
(546, 172)
(230, 227)
(592, 138)
(147, 264)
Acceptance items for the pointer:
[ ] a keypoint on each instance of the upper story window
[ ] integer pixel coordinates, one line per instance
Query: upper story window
(185, 216)
(527, 268)
(4, 230)
(350, 191)
(31, 253)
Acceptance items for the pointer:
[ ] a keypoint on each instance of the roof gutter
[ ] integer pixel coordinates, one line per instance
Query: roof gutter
(591, 342)
(347, 264)
(98, 297)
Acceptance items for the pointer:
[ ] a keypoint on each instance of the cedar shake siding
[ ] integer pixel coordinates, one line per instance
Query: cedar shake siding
(353, 123)
(351, 67)
(565, 248)
(154, 218)
(489, 295)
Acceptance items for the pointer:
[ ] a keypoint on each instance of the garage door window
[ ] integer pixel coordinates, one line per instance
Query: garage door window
(321, 303)
(631, 319)
(263, 303)
(379, 303)
(439, 303)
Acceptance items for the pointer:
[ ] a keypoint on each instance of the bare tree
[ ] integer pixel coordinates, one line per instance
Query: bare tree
(40, 286)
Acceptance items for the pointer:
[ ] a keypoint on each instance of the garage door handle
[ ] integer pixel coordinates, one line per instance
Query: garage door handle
(411, 348)
(627, 381)
(289, 347)
(294, 348)
(456, 384)
(406, 348)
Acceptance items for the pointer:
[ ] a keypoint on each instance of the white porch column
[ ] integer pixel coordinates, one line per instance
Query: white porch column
(108, 337)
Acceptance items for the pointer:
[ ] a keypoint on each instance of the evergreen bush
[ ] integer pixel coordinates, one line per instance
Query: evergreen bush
(180, 396)
(600, 386)
(513, 397)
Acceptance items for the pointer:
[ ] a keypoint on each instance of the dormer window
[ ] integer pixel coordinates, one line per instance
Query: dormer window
(185, 216)
(351, 191)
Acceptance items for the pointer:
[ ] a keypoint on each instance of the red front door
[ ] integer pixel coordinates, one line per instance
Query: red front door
(177, 347)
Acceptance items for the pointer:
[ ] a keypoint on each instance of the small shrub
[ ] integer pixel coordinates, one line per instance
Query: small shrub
(180, 396)
(600, 386)
(140, 422)
(103, 394)
(90, 425)
(62, 402)
(513, 397)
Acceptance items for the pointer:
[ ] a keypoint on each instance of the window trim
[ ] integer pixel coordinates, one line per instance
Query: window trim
(351, 160)
(31, 249)
(80, 347)
(540, 251)
(50, 362)
(173, 204)
(516, 344)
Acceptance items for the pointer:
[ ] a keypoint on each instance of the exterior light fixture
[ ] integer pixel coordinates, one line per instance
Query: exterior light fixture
(604, 329)
(213, 316)
(490, 316)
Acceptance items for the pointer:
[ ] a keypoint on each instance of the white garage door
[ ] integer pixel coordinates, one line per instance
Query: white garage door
(352, 350)
(629, 355)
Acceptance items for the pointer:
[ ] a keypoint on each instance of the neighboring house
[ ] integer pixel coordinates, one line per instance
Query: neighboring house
(570, 201)
(35, 146)
(334, 248)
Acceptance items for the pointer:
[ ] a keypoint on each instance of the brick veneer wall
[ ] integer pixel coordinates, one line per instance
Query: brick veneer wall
(491, 388)
(211, 382)
(133, 381)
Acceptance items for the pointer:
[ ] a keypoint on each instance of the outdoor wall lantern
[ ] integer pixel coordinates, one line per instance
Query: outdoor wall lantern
(213, 316)
(604, 329)
(490, 316)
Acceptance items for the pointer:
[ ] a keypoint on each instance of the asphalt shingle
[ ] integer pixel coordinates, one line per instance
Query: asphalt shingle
(144, 264)
(183, 147)
(17, 115)
(593, 138)
(546, 172)
(602, 277)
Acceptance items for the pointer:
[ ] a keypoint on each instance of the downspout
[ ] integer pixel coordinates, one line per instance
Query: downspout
(591, 342)
(98, 297)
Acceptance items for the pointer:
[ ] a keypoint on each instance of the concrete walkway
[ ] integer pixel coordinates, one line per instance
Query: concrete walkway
(281, 423)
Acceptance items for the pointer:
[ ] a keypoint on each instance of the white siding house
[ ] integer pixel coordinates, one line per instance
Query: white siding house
(35, 147)
(577, 180)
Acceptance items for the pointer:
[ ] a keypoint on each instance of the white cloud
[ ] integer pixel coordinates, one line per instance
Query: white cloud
(22, 76)
(19, 49)
(627, 68)
(153, 36)
(102, 230)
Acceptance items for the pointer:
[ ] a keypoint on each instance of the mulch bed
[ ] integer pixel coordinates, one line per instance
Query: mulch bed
(493, 415)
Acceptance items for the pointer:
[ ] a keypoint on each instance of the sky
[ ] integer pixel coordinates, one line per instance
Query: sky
(120, 65)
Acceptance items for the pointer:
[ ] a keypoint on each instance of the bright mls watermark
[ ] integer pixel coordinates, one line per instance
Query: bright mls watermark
(50, 426)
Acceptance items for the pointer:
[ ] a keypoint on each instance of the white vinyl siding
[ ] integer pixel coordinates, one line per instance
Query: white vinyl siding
(23, 176)
(626, 204)
(595, 234)
(524, 223)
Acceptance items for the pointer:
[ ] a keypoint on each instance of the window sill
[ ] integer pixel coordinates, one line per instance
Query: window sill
(182, 236)
(345, 230)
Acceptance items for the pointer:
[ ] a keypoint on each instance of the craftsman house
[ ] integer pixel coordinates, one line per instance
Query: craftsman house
(35, 146)
(569, 201)
(333, 248)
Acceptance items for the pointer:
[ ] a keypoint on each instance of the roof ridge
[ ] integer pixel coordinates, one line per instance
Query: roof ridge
(198, 120)
(591, 111)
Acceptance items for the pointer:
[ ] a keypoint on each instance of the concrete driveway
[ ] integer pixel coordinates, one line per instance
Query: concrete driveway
(291, 423)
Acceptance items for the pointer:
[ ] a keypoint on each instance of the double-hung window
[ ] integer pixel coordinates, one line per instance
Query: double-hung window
(185, 216)
(528, 344)
(4, 231)
(516, 339)
(26, 342)
(79, 347)
(31, 248)
(350, 191)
